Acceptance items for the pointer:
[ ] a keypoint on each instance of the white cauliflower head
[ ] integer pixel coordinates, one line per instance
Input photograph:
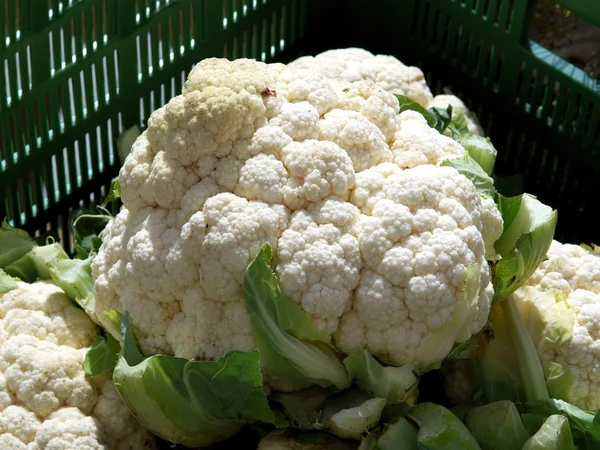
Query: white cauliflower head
(354, 64)
(46, 401)
(572, 272)
(253, 153)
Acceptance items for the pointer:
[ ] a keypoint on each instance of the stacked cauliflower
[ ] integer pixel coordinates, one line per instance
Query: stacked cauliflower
(46, 402)
(379, 245)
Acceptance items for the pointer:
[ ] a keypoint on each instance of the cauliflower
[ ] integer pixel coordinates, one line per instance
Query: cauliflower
(558, 306)
(573, 367)
(46, 401)
(381, 248)
(354, 64)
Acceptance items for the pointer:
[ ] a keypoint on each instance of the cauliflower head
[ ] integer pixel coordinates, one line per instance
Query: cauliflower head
(381, 247)
(46, 401)
(573, 366)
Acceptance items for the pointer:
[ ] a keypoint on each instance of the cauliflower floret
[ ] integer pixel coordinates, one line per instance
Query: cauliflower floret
(354, 64)
(263, 153)
(46, 313)
(319, 260)
(417, 244)
(361, 139)
(574, 272)
(46, 401)
(416, 143)
(493, 226)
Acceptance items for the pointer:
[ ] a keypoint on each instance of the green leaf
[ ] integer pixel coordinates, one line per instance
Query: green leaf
(481, 150)
(125, 141)
(396, 384)
(401, 434)
(494, 391)
(351, 423)
(193, 403)
(436, 118)
(440, 429)
(114, 193)
(7, 283)
(14, 244)
(458, 125)
(35, 264)
(303, 408)
(474, 345)
(293, 351)
(114, 317)
(87, 227)
(131, 347)
(528, 232)
(584, 428)
(532, 373)
(497, 426)
(554, 434)
(102, 357)
(74, 277)
(442, 116)
(468, 167)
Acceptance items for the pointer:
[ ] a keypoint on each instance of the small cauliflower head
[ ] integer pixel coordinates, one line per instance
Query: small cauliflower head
(46, 401)
(383, 254)
(354, 64)
(569, 344)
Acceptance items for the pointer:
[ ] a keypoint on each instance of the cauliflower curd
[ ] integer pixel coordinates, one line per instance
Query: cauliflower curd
(574, 274)
(379, 245)
(46, 401)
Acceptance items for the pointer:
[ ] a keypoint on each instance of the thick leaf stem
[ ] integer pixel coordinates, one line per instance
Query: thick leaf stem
(532, 374)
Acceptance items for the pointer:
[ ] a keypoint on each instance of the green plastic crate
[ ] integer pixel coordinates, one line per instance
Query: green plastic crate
(79, 72)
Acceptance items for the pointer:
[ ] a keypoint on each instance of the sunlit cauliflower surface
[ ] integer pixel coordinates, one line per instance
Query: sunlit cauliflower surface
(46, 402)
(574, 272)
(384, 256)
(354, 64)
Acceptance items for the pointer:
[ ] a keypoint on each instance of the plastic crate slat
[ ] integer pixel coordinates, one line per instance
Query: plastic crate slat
(77, 38)
(5, 26)
(16, 207)
(7, 143)
(94, 160)
(56, 51)
(548, 97)
(91, 90)
(476, 56)
(538, 88)
(592, 137)
(31, 132)
(11, 14)
(31, 206)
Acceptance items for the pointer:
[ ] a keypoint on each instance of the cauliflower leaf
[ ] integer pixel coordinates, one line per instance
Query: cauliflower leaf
(396, 384)
(528, 232)
(195, 403)
(292, 349)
